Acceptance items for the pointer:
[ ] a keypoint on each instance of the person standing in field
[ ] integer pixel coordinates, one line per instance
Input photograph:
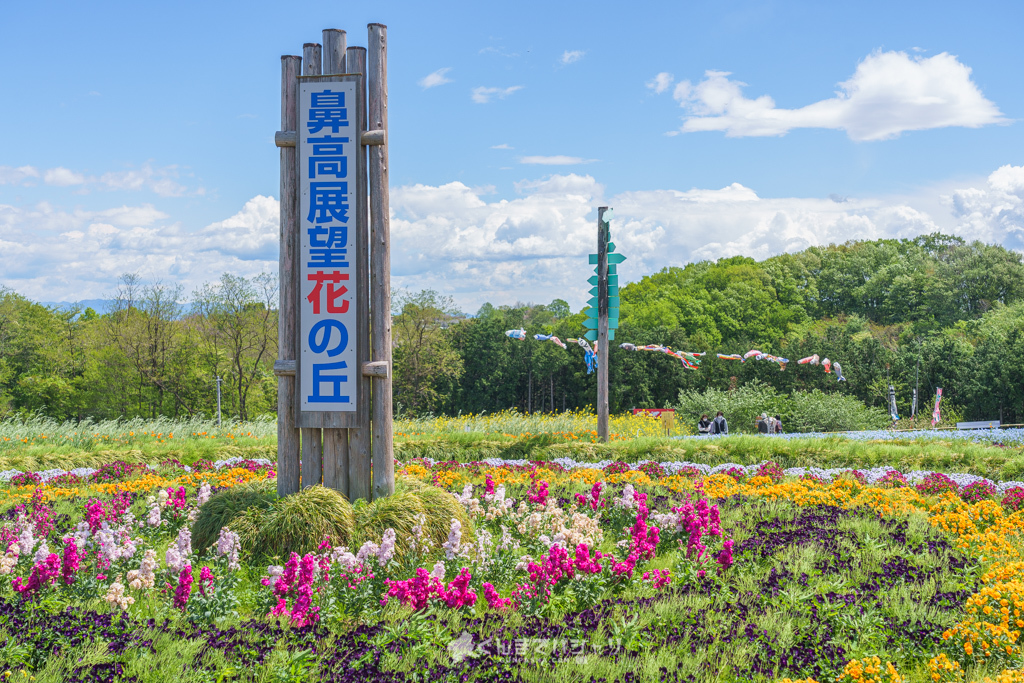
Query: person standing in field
(704, 425)
(720, 426)
(778, 424)
(762, 424)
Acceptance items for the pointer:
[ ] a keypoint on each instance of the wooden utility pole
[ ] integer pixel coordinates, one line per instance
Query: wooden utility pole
(602, 325)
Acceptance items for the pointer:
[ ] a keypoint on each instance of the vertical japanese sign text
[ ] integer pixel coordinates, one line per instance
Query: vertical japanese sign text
(328, 139)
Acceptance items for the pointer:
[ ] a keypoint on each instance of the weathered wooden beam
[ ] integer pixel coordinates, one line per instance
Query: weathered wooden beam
(377, 368)
(286, 138)
(336, 448)
(284, 368)
(374, 137)
(312, 438)
(380, 259)
(359, 439)
(334, 51)
(287, 434)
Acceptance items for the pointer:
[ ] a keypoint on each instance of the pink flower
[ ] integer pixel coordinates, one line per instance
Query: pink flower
(495, 601)
(205, 581)
(71, 561)
(95, 514)
(43, 574)
(583, 563)
(725, 557)
(539, 494)
(458, 594)
(184, 589)
(490, 485)
(658, 577)
(415, 592)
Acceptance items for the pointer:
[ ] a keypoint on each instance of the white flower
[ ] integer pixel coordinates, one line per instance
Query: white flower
(204, 494)
(116, 595)
(42, 553)
(185, 542)
(173, 559)
(387, 547)
(228, 545)
(451, 546)
(438, 571)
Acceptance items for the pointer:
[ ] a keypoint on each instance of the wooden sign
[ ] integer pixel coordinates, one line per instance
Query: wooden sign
(334, 413)
(329, 355)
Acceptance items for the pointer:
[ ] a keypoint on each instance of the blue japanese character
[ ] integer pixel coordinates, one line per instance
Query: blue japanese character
(328, 202)
(335, 381)
(327, 326)
(323, 236)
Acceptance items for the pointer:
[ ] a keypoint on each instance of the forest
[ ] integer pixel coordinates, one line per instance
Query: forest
(934, 311)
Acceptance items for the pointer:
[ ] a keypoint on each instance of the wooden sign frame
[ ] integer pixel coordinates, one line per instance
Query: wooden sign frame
(351, 451)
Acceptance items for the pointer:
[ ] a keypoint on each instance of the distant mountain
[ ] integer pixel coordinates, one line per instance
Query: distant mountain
(101, 306)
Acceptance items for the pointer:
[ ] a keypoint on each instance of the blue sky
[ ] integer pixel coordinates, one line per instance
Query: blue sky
(139, 136)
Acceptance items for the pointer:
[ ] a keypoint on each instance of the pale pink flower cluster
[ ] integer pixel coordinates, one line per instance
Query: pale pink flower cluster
(117, 597)
(145, 575)
(229, 545)
(452, 545)
(204, 493)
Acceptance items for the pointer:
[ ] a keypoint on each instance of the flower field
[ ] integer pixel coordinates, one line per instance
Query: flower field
(520, 571)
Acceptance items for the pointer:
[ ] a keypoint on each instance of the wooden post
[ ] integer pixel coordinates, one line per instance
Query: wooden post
(380, 260)
(336, 451)
(602, 325)
(312, 439)
(359, 439)
(287, 434)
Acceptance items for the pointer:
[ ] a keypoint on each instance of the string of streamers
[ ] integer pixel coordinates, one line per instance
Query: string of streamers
(689, 359)
(589, 355)
(550, 337)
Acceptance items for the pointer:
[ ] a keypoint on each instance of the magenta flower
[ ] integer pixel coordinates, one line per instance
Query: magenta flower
(184, 589)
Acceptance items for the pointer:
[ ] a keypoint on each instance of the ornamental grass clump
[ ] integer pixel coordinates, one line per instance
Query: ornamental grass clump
(298, 523)
(226, 506)
(402, 510)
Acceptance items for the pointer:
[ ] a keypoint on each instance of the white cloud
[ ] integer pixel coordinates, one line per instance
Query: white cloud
(888, 94)
(483, 95)
(163, 181)
(502, 146)
(570, 56)
(661, 82)
(533, 247)
(435, 79)
(10, 175)
(50, 254)
(459, 240)
(556, 160)
(62, 177)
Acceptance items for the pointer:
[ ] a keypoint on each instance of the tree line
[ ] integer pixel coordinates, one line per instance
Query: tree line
(933, 311)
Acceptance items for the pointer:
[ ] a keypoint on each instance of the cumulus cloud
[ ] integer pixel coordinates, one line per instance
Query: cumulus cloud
(10, 175)
(570, 56)
(62, 177)
(555, 160)
(51, 254)
(483, 95)
(533, 247)
(888, 94)
(435, 79)
(162, 181)
(661, 82)
(460, 240)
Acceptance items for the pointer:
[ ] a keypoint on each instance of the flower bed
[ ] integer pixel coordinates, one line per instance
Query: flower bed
(555, 573)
